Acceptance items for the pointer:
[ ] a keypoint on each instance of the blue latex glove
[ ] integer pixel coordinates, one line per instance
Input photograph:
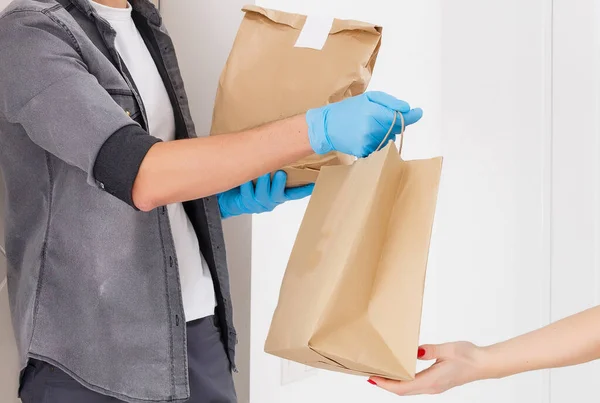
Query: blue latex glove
(248, 199)
(357, 125)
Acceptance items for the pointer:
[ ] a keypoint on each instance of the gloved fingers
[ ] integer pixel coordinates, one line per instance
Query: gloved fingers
(388, 101)
(263, 191)
(385, 117)
(278, 187)
(299, 192)
(263, 187)
(411, 117)
(248, 199)
(238, 202)
(247, 190)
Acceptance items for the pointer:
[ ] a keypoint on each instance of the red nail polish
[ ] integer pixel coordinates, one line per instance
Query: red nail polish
(421, 353)
(372, 382)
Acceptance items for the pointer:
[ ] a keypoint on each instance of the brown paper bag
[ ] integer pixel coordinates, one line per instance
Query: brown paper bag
(268, 78)
(352, 293)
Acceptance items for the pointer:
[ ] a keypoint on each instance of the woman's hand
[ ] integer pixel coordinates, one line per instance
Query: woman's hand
(570, 341)
(456, 364)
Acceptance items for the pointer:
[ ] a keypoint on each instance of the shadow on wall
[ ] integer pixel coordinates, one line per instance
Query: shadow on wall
(8, 350)
(9, 369)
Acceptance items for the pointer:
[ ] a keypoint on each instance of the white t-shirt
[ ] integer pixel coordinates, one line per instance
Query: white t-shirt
(197, 286)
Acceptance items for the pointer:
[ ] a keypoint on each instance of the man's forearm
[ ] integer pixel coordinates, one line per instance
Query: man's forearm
(183, 170)
(571, 341)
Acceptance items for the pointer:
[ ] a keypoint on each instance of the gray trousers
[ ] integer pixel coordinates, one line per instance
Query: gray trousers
(210, 375)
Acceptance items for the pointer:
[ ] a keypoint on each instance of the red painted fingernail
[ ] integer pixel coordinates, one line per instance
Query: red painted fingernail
(372, 382)
(421, 353)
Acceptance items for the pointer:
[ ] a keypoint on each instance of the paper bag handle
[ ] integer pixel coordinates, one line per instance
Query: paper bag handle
(384, 141)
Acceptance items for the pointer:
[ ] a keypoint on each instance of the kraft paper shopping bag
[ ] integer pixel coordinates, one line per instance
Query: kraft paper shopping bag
(276, 70)
(352, 293)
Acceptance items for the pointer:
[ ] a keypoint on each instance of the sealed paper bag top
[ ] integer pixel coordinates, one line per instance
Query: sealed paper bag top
(283, 64)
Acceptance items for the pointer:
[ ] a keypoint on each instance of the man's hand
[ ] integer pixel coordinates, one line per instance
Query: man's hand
(358, 125)
(456, 364)
(248, 199)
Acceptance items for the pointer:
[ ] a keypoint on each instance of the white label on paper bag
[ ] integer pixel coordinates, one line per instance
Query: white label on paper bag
(315, 32)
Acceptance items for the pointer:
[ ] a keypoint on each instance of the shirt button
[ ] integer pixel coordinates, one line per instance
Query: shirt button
(128, 113)
(101, 185)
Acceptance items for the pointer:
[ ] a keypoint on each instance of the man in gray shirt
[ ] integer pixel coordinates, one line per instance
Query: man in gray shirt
(117, 273)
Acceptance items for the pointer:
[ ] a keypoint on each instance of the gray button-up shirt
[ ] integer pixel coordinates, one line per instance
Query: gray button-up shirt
(93, 283)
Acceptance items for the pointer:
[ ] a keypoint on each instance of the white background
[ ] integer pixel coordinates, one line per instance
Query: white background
(510, 93)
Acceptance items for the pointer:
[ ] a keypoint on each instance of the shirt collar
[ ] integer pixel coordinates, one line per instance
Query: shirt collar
(112, 14)
(144, 7)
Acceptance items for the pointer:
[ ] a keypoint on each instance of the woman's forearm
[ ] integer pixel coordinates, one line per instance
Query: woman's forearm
(182, 170)
(573, 340)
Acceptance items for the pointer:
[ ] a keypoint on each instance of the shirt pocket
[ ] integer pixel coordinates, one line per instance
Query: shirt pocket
(126, 100)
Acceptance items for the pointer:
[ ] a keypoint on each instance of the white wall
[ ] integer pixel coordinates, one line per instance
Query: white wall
(490, 269)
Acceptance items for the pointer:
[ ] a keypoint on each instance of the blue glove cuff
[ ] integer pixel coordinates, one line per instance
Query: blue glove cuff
(316, 120)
